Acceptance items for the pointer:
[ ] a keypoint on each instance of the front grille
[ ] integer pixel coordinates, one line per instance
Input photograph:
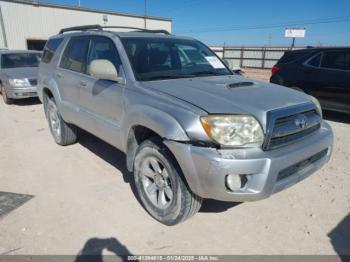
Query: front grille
(290, 128)
(284, 140)
(301, 165)
(33, 82)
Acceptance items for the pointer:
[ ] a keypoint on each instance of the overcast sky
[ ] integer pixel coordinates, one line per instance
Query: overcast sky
(244, 22)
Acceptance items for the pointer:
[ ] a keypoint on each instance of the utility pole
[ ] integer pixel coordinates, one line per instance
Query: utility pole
(145, 13)
(79, 3)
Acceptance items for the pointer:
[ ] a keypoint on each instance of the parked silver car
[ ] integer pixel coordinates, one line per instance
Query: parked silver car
(18, 74)
(190, 128)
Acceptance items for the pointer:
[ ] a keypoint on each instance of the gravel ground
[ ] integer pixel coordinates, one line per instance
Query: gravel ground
(83, 202)
(258, 73)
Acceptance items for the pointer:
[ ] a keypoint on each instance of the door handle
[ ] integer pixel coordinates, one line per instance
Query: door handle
(83, 83)
(59, 75)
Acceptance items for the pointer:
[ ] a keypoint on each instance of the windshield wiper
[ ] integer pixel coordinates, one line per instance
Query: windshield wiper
(207, 73)
(165, 77)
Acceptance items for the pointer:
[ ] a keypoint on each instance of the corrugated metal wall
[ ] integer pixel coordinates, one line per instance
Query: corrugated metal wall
(23, 21)
(255, 57)
(3, 42)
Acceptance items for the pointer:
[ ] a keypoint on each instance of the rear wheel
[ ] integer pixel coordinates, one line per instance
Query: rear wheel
(161, 186)
(6, 99)
(62, 132)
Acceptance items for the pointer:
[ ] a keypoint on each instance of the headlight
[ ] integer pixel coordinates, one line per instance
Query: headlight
(19, 82)
(318, 105)
(233, 130)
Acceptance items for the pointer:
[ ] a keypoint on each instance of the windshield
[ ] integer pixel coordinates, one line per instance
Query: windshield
(20, 60)
(166, 58)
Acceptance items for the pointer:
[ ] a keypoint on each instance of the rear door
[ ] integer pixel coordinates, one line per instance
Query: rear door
(72, 65)
(335, 77)
(327, 77)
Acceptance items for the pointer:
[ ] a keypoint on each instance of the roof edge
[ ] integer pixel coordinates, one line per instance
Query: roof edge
(84, 9)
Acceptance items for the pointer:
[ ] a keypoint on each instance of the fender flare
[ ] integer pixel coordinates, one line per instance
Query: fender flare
(160, 122)
(52, 86)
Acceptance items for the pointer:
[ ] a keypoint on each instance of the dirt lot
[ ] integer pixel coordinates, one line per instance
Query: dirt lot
(258, 73)
(83, 201)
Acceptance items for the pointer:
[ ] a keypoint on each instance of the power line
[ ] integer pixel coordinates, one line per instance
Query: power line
(169, 4)
(178, 5)
(276, 25)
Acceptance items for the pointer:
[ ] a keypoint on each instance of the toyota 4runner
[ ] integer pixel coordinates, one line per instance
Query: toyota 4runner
(190, 128)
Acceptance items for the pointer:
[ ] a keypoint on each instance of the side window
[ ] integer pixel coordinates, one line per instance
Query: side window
(315, 61)
(291, 56)
(104, 48)
(336, 60)
(50, 48)
(74, 55)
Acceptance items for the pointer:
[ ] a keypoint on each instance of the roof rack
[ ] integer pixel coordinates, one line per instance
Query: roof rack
(80, 28)
(100, 28)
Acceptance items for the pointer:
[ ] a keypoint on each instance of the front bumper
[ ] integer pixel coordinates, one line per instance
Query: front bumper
(205, 169)
(23, 92)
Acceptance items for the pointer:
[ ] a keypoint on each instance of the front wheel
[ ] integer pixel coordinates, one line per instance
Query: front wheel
(62, 132)
(161, 186)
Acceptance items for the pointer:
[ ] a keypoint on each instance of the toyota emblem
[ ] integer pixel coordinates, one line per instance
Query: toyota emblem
(301, 121)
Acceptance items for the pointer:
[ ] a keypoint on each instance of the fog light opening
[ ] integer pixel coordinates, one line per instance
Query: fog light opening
(235, 182)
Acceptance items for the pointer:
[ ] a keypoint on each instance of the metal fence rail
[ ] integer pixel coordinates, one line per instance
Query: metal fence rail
(254, 57)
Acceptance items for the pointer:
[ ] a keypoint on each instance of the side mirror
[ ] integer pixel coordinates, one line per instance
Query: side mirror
(237, 70)
(104, 70)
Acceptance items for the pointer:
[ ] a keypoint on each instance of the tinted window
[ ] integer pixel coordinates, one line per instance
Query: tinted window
(164, 58)
(315, 61)
(20, 60)
(50, 48)
(103, 48)
(291, 56)
(336, 60)
(74, 56)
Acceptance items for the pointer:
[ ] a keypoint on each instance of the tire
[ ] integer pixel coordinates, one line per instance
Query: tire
(6, 99)
(161, 186)
(62, 132)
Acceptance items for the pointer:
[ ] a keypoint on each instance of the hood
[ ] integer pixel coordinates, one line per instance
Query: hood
(21, 72)
(230, 94)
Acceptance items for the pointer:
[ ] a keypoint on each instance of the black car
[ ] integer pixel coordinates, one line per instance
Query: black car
(320, 72)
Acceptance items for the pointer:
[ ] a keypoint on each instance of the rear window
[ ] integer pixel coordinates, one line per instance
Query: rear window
(50, 48)
(315, 61)
(15, 60)
(291, 56)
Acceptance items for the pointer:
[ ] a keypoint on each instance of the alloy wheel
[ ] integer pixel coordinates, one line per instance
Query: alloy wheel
(156, 182)
(54, 120)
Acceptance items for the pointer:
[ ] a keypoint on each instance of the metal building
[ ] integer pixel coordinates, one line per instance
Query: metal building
(27, 24)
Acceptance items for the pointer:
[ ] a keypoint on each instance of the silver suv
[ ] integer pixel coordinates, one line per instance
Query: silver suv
(190, 128)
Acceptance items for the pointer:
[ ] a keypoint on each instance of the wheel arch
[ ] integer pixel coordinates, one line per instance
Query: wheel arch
(145, 123)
